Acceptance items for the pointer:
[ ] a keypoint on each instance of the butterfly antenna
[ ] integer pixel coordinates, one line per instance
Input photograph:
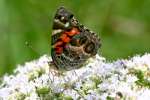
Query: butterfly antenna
(30, 46)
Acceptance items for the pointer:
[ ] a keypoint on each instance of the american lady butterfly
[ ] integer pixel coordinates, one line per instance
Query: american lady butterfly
(72, 43)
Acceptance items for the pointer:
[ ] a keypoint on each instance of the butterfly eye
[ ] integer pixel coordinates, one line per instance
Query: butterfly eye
(82, 40)
(89, 48)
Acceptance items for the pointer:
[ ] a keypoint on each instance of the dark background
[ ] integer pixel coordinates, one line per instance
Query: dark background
(123, 25)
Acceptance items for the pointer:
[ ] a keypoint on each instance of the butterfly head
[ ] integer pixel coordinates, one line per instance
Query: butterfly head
(62, 18)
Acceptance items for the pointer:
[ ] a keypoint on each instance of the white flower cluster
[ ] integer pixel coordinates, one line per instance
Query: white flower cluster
(98, 80)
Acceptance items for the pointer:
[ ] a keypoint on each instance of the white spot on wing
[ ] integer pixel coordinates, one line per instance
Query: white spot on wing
(56, 31)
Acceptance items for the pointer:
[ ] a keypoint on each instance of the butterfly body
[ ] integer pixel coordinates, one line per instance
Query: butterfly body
(72, 43)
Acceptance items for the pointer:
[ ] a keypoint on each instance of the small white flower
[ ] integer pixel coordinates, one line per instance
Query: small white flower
(145, 95)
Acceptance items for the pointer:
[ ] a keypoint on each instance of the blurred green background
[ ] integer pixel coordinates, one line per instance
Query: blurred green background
(123, 25)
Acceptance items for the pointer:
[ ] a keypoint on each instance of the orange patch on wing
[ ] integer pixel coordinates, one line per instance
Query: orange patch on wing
(73, 32)
(58, 50)
(65, 38)
(59, 43)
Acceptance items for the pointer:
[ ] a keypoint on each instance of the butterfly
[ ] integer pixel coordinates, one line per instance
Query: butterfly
(72, 43)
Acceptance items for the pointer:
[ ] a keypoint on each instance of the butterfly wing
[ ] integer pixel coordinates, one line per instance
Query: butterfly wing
(72, 43)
